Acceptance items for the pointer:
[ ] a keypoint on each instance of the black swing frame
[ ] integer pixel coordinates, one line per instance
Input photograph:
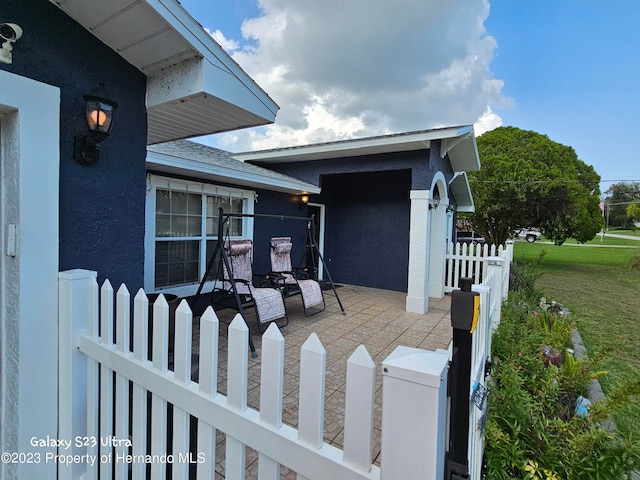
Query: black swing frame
(223, 218)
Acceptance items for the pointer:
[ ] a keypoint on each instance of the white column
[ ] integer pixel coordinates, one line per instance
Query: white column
(419, 239)
(438, 250)
(414, 413)
(29, 191)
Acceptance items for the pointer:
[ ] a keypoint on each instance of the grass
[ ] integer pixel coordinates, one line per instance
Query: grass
(573, 254)
(603, 291)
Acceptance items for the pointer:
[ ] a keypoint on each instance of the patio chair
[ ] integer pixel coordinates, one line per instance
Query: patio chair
(268, 301)
(298, 280)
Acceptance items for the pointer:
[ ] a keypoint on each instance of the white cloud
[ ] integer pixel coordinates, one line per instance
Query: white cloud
(488, 121)
(228, 44)
(353, 68)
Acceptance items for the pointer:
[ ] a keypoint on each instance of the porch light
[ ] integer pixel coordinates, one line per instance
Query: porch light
(99, 111)
(436, 199)
(303, 200)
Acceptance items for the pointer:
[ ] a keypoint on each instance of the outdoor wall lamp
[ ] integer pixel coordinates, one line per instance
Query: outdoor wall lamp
(99, 113)
(436, 199)
(303, 200)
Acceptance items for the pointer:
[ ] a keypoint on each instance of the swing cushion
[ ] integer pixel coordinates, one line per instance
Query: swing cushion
(311, 293)
(268, 301)
(281, 263)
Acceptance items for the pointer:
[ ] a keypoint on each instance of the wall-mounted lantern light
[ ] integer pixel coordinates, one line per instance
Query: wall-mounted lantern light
(99, 112)
(303, 200)
(451, 208)
(436, 199)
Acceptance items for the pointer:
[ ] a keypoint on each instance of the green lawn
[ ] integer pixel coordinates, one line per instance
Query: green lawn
(603, 291)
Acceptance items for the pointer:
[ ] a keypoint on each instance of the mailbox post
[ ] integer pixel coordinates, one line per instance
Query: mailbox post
(465, 309)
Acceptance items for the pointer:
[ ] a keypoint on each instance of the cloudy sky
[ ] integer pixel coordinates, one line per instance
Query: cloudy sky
(343, 69)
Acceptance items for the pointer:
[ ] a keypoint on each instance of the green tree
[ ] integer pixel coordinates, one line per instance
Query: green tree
(633, 212)
(619, 196)
(526, 179)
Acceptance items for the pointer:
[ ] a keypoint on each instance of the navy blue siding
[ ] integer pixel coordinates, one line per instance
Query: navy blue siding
(101, 206)
(367, 235)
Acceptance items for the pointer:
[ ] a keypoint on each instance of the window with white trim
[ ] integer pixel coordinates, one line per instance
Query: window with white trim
(182, 230)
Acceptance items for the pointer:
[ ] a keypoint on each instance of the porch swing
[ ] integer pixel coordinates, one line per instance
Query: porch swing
(233, 287)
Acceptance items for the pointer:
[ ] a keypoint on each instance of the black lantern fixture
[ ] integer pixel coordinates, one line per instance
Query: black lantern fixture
(99, 112)
(436, 198)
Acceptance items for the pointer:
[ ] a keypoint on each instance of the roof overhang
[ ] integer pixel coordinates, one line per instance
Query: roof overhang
(178, 165)
(461, 191)
(458, 142)
(193, 86)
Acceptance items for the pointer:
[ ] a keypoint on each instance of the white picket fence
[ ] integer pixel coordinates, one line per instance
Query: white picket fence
(493, 289)
(114, 402)
(471, 261)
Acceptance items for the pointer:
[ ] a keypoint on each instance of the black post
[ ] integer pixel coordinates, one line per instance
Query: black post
(463, 306)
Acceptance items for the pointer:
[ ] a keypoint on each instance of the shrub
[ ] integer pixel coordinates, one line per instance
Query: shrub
(532, 429)
(523, 277)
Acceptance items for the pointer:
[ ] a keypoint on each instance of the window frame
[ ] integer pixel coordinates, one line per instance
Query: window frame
(155, 182)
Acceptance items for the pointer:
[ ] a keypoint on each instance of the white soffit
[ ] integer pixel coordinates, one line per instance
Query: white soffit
(193, 86)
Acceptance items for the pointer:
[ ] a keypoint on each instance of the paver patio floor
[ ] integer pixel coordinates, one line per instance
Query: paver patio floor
(374, 318)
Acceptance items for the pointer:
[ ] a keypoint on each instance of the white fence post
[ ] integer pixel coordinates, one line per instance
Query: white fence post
(495, 274)
(73, 294)
(414, 398)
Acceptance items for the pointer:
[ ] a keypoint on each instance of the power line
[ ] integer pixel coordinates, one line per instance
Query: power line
(545, 181)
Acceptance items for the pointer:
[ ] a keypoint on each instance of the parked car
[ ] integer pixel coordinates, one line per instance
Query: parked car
(469, 238)
(528, 234)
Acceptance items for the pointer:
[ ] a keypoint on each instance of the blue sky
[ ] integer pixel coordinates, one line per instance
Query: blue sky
(354, 68)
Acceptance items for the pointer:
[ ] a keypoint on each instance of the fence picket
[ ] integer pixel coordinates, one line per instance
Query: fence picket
(182, 375)
(271, 387)
(121, 412)
(358, 417)
(159, 359)
(139, 403)
(106, 378)
(313, 359)
(208, 385)
(237, 377)
(93, 368)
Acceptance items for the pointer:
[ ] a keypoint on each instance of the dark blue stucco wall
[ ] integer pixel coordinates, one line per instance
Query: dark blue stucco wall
(264, 229)
(367, 234)
(101, 206)
(368, 208)
(423, 165)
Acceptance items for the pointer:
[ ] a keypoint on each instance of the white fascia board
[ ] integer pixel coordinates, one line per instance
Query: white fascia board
(323, 151)
(353, 147)
(210, 50)
(228, 175)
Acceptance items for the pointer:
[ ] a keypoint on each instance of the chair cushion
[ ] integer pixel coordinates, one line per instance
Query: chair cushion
(269, 304)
